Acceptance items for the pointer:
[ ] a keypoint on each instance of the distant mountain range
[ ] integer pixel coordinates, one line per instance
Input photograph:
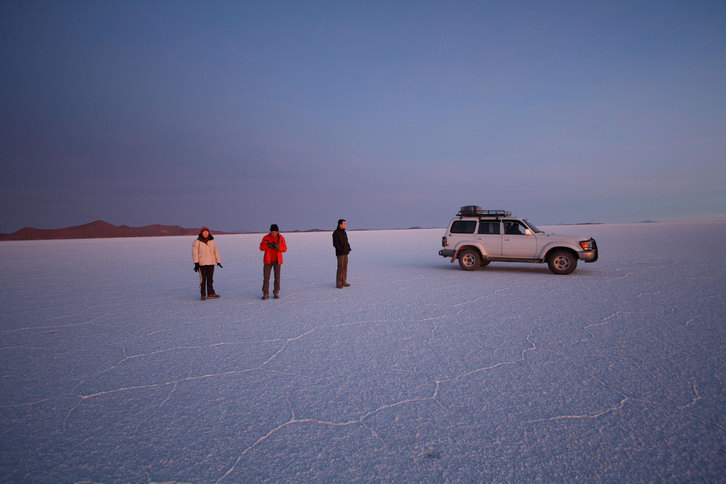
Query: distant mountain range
(100, 230)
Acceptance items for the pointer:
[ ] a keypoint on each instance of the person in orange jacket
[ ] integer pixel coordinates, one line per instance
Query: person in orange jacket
(273, 245)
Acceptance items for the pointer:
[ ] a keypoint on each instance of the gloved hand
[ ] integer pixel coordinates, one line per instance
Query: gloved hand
(196, 267)
(272, 245)
(220, 265)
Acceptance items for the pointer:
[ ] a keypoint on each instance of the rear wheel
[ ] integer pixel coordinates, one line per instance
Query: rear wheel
(562, 262)
(469, 260)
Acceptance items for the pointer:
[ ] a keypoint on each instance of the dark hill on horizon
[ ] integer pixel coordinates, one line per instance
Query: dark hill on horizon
(101, 229)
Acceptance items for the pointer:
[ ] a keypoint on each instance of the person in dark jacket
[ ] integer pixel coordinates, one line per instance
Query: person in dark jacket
(204, 256)
(273, 245)
(342, 249)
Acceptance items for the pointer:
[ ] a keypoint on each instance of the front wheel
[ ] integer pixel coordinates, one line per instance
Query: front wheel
(562, 262)
(469, 260)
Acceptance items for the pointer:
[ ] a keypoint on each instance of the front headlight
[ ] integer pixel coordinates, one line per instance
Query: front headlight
(586, 244)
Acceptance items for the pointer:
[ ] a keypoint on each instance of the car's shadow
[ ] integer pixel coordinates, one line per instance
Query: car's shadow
(517, 268)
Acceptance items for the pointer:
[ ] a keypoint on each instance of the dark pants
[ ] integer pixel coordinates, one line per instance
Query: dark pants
(266, 270)
(341, 276)
(206, 278)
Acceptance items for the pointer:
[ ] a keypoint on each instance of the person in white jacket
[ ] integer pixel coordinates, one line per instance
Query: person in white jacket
(204, 256)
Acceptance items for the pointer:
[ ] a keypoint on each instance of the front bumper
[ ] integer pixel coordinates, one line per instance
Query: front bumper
(589, 255)
(447, 253)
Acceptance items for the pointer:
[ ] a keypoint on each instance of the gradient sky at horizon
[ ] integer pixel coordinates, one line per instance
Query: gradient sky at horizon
(391, 114)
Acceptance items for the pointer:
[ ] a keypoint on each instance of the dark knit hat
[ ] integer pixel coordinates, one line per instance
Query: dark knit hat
(274, 228)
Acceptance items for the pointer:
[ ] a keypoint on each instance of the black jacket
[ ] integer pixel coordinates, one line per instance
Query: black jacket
(340, 242)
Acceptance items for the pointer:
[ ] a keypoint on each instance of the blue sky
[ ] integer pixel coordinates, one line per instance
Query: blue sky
(390, 114)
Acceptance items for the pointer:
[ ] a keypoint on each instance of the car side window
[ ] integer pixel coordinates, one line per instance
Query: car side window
(512, 227)
(463, 227)
(489, 228)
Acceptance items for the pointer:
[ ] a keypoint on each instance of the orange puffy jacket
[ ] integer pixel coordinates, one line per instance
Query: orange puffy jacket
(272, 255)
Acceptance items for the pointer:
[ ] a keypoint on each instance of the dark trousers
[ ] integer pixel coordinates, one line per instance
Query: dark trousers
(266, 270)
(341, 276)
(206, 279)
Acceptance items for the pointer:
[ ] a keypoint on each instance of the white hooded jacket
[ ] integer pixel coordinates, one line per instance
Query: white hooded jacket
(205, 254)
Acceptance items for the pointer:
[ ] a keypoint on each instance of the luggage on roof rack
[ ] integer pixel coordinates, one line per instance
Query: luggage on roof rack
(470, 210)
(477, 211)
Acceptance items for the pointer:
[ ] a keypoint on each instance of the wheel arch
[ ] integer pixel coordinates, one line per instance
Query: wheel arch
(466, 246)
(556, 248)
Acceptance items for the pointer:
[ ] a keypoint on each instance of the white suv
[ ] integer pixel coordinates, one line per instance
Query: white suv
(477, 237)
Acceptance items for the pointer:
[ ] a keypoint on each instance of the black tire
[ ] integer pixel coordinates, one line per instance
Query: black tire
(562, 262)
(469, 260)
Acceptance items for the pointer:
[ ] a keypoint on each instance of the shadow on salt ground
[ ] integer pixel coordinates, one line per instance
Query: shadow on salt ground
(509, 268)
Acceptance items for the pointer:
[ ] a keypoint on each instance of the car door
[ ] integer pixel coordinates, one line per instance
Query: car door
(516, 243)
(490, 237)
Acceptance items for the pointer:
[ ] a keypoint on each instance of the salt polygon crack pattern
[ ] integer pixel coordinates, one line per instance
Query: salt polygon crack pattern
(496, 372)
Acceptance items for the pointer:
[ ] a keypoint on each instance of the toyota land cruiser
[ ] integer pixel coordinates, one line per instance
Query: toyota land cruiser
(477, 237)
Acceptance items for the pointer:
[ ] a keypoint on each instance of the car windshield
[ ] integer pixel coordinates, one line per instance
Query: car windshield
(533, 227)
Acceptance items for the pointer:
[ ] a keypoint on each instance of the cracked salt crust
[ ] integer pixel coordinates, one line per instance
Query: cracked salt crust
(416, 356)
